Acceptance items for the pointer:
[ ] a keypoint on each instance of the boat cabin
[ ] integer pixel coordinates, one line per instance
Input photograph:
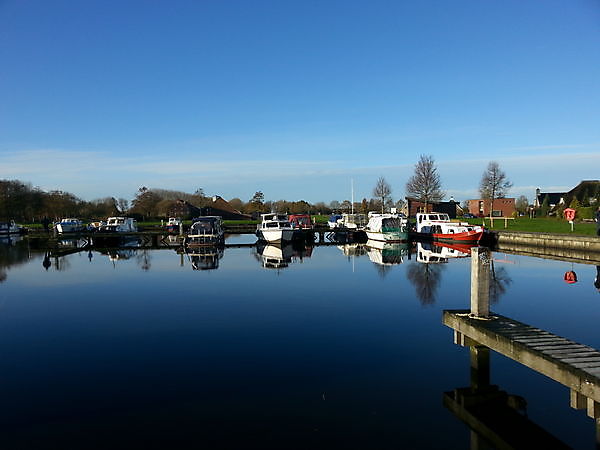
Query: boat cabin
(120, 224)
(206, 229)
(300, 221)
(274, 220)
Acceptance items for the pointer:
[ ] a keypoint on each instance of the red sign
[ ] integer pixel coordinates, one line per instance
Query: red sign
(570, 277)
(570, 214)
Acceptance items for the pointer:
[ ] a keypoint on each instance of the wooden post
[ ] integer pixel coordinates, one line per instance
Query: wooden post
(480, 281)
(480, 367)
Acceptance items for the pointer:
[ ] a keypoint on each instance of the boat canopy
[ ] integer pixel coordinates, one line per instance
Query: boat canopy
(204, 225)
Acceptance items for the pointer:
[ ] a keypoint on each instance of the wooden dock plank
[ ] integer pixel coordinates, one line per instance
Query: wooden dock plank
(572, 364)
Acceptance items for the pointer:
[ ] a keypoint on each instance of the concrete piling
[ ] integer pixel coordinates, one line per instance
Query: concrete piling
(480, 281)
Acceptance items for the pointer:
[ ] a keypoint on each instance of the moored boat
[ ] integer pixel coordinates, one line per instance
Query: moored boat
(69, 225)
(353, 221)
(275, 228)
(300, 221)
(439, 227)
(334, 221)
(119, 225)
(173, 224)
(387, 228)
(205, 230)
(7, 228)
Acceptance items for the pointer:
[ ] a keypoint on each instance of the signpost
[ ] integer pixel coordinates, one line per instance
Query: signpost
(570, 216)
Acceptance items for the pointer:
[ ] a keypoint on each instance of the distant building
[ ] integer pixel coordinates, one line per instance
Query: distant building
(218, 206)
(412, 206)
(215, 206)
(501, 207)
(586, 188)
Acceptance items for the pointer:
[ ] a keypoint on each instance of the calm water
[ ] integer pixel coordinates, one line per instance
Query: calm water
(329, 350)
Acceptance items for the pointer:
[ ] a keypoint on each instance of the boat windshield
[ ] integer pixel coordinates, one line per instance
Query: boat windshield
(204, 225)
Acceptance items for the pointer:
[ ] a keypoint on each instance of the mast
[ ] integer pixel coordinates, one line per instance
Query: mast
(352, 188)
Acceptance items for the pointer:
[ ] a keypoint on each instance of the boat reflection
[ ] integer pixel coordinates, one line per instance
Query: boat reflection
(386, 254)
(72, 243)
(273, 256)
(440, 252)
(353, 249)
(204, 257)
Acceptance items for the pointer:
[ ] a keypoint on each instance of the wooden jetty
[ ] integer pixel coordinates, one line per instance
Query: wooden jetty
(572, 364)
(575, 365)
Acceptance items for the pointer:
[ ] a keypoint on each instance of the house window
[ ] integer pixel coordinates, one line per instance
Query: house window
(481, 206)
(496, 213)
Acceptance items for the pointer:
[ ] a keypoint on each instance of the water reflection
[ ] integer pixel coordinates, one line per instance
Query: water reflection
(496, 418)
(385, 255)
(274, 256)
(353, 249)
(204, 257)
(499, 282)
(13, 251)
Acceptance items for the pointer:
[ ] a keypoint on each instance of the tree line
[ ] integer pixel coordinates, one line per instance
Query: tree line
(22, 202)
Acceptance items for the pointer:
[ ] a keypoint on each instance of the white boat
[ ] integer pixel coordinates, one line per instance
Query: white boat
(275, 228)
(69, 225)
(119, 225)
(353, 221)
(173, 224)
(205, 230)
(387, 228)
(11, 227)
(334, 221)
(96, 226)
(439, 227)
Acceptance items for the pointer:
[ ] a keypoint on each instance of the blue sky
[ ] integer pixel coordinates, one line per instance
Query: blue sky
(296, 98)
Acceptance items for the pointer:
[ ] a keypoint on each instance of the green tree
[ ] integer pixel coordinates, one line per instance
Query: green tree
(256, 203)
(544, 207)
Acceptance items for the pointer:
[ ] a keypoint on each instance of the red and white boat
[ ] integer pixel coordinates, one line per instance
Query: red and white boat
(440, 228)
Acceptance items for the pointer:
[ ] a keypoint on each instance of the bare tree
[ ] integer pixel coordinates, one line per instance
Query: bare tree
(122, 205)
(522, 204)
(425, 184)
(494, 184)
(382, 190)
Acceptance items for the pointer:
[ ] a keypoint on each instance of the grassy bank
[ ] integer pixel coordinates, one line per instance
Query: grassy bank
(544, 225)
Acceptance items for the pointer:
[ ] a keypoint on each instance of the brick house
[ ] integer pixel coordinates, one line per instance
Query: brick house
(412, 206)
(502, 207)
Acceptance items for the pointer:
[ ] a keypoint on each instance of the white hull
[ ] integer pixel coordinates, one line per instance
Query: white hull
(277, 235)
(62, 228)
(386, 237)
